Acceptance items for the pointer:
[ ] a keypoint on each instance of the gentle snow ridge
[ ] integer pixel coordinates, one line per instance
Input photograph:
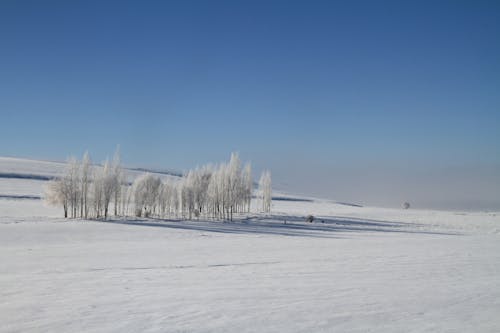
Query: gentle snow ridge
(354, 269)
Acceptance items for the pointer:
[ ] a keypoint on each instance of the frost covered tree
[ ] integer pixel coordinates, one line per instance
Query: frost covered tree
(234, 197)
(97, 193)
(146, 189)
(108, 186)
(167, 198)
(265, 190)
(56, 194)
(84, 191)
(187, 194)
(71, 179)
(224, 189)
(66, 190)
(85, 180)
(127, 195)
(200, 182)
(217, 191)
(118, 180)
(247, 186)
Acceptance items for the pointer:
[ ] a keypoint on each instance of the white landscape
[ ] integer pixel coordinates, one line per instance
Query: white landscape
(353, 269)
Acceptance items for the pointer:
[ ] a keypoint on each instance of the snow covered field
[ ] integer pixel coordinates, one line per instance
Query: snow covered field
(355, 269)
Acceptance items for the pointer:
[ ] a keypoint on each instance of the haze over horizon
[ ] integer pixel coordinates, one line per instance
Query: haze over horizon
(350, 101)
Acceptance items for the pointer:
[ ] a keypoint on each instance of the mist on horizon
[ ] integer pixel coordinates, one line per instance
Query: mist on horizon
(444, 188)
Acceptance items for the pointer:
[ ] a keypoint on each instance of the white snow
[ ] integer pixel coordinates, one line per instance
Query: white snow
(355, 269)
(27, 167)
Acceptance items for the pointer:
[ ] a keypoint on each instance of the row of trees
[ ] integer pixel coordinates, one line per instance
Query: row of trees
(216, 191)
(87, 191)
(212, 191)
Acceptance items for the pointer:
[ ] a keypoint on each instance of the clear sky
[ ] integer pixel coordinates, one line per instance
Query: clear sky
(376, 102)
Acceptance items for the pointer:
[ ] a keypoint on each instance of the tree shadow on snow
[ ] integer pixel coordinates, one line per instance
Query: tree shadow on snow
(284, 225)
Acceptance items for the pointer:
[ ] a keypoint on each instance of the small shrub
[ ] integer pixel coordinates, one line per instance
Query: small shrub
(310, 218)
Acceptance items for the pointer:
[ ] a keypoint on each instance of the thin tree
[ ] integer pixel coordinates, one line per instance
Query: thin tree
(265, 189)
(85, 182)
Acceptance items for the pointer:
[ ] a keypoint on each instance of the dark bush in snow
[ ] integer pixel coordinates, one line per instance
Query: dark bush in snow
(310, 218)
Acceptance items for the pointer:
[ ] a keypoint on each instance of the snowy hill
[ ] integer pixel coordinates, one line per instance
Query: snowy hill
(354, 269)
(22, 185)
(20, 168)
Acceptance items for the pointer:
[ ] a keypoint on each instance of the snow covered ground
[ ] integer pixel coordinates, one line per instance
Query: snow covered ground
(355, 269)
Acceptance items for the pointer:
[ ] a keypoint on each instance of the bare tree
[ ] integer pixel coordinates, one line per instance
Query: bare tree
(265, 189)
(108, 187)
(247, 186)
(146, 189)
(56, 194)
(86, 177)
(118, 179)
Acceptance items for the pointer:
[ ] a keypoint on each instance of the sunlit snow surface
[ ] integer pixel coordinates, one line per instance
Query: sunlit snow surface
(355, 269)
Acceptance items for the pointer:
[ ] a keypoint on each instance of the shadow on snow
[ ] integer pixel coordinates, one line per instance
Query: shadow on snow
(331, 227)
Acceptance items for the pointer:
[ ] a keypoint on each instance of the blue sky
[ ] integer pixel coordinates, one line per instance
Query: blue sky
(323, 93)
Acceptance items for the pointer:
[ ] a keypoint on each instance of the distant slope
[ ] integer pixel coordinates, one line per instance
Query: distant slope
(13, 175)
(24, 178)
(20, 168)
